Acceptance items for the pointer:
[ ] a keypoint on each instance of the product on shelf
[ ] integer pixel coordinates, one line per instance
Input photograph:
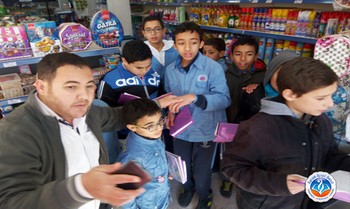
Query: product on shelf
(334, 50)
(343, 3)
(43, 38)
(13, 43)
(106, 29)
(74, 36)
(10, 86)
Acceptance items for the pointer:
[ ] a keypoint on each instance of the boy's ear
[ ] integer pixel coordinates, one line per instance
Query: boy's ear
(201, 44)
(289, 95)
(131, 127)
(124, 61)
(222, 53)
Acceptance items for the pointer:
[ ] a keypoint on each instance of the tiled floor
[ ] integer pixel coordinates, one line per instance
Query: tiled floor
(219, 202)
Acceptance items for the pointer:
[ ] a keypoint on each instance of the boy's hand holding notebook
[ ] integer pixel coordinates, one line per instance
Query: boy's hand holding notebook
(182, 121)
(225, 132)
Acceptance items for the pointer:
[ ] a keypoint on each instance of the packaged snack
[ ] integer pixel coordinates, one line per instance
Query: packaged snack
(13, 43)
(106, 29)
(43, 38)
(74, 36)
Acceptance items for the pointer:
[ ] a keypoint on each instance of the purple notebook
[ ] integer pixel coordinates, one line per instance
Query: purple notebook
(125, 97)
(225, 132)
(342, 179)
(182, 121)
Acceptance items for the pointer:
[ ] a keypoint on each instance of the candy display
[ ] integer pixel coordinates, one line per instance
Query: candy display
(106, 29)
(74, 36)
(43, 38)
(13, 43)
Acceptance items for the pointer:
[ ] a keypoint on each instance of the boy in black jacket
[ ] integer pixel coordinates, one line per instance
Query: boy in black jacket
(289, 138)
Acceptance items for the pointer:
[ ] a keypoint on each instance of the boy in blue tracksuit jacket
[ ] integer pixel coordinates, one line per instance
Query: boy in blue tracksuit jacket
(144, 146)
(133, 75)
(200, 82)
(163, 51)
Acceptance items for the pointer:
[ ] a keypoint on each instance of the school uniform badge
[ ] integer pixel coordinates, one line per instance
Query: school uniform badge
(320, 187)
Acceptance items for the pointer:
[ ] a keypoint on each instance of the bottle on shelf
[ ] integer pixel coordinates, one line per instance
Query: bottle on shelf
(283, 22)
(268, 20)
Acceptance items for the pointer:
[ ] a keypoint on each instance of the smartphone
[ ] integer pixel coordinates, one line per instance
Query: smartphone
(131, 168)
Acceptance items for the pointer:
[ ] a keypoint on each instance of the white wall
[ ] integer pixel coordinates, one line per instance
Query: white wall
(121, 8)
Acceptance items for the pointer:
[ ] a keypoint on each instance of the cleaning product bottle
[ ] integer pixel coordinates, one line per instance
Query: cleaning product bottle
(268, 20)
(323, 24)
(284, 15)
(231, 20)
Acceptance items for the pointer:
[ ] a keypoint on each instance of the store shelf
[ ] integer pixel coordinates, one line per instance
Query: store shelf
(175, 4)
(181, 2)
(171, 22)
(33, 60)
(13, 101)
(261, 34)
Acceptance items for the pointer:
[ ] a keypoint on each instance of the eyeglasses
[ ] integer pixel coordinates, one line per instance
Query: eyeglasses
(156, 30)
(154, 127)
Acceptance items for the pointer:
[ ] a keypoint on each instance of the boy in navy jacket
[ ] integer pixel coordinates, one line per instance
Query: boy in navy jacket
(289, 138)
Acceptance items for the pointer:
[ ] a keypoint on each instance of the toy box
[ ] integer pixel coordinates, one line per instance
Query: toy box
(43, 38)
(106, 29)
(10, 86)
(14, 43)
(74, 36)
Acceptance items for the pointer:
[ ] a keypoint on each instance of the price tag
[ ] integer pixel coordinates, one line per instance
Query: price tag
(255, 1)
(268, 1)
(25, 0)
(298, 1)
(10, 64)
(14, 101)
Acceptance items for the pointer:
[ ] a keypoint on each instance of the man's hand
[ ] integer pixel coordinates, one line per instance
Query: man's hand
(186, 100)
(250, 88)
(101, 183)
(168, 100)
(295, 183)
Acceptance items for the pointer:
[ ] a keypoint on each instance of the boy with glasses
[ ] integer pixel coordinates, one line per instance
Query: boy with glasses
(163, 51)
(144, 146)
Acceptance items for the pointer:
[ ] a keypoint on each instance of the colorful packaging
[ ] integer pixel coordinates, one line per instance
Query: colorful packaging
(262, 45)
(74, 36)
(106, 29)
(278, 46)
(43, 38)
(13, 43)
(269, 50)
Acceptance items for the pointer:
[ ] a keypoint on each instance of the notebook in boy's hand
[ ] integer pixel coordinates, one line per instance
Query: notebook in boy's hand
(125, 97)
(177, 167)
(225, 132)
(342, 179)
(182, 121)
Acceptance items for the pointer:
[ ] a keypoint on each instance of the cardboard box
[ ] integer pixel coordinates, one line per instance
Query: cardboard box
(43, 38)
(14, 43)
(74, 36)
